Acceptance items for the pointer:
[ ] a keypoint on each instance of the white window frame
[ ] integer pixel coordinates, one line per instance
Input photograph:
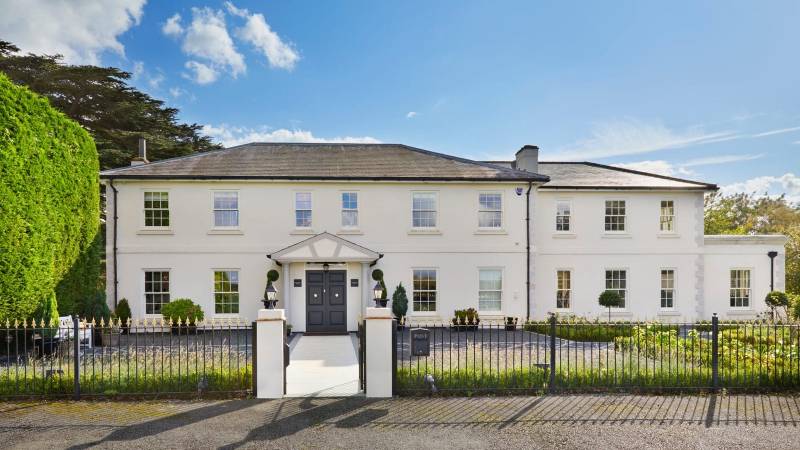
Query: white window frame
(145, 292)
(626, 298)
(749, 288)
(435, 291)
(674, 288)
(435, 195)
(570, 216)
(624, 230)
(238, 210)
(214, 291)
(356, 210)
(674, 216)
(501, 210)
(569, 289)
(502, 287)
(145, 209)
(310, 210)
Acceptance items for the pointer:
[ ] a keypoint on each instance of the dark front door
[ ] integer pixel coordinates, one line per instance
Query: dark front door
(326, 301)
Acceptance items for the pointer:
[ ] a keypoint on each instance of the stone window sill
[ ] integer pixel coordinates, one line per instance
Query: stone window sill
(668, 235)
(146, 231)
(564, 235)
(350, 231)
(302, 231)
(616, 236)
(221, 231)
(421, 231)
(490, 231)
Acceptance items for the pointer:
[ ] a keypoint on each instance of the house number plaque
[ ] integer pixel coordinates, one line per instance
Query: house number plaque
(420, 342)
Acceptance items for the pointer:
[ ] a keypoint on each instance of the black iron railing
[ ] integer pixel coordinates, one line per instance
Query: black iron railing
(150, 357)
(580, 356)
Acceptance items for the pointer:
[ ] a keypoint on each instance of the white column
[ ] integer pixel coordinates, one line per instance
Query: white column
(287, 291)
(379, 352)
(366, 288)
(269, 353)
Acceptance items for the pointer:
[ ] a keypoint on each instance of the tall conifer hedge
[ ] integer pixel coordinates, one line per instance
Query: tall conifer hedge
(49, 200)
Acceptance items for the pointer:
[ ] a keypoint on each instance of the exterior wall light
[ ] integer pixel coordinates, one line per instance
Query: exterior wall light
(377, 291)
(270, 296)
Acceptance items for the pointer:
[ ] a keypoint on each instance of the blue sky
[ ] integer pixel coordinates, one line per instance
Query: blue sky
(698, 89)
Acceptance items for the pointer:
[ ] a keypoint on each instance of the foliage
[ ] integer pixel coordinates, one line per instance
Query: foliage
(777, 299)
(273, 275)
(123, 310)
(180, 309)
(753, 213)
(49, 211)
(467, 316)
(399, 302)
(582, 330)
(83, 281)
(97, 308)
(609, 299)
(377, 275)
(100, 99)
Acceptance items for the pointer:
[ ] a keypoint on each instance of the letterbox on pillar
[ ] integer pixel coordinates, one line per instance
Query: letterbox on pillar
(420, 342)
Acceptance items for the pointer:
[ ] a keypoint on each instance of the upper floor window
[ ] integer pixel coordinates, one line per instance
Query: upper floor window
(667, 218)
(350, 209)
(156, 209)
(490, 210)
(740, 288)
(302, 209)
(424, 290)
(615, 215)
(563, 215)
(423, 212)
(563, 289)
(490, 289)
(156, 290)
(226, 209)
(667, 288)
(617, 281)
(226, 292)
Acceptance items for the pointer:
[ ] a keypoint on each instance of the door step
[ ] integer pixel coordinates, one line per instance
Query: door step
(325, 333)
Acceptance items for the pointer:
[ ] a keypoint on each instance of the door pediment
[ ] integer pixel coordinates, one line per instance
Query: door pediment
(324, 247)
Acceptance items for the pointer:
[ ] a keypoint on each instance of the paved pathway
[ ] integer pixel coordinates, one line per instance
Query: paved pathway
(322, 366)
(581, 421)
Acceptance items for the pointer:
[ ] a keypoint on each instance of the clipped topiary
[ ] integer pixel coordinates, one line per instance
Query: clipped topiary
(49, 199)
(273, 275)
(179, 310)
(123, 313)
(777, 299)
(609, 299)
(377, 275)
(400, 303)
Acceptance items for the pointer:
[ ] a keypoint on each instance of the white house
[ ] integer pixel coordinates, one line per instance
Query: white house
(516, 238)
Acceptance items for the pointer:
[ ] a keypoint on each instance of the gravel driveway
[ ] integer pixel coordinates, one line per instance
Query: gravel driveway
(589, 421)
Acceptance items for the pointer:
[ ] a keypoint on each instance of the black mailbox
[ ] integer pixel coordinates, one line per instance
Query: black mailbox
(420, 342)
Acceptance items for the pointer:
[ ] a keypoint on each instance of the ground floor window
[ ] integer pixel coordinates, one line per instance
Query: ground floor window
(226, 291)
(667, 288)
(563, 289)
(490, 289)
(617, 281)
(740, 288)
(156, 290)
(424, 285)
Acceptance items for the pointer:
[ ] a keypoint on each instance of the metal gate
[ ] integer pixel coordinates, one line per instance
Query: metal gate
(362, 356)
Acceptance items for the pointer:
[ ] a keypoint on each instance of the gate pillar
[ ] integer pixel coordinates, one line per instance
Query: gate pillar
(379, 352)
(270, 367)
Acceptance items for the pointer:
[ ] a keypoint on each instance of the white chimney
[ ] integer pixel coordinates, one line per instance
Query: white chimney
(527, 158)
(142, 158)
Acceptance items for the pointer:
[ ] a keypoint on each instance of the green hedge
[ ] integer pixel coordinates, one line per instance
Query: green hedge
(50, 199)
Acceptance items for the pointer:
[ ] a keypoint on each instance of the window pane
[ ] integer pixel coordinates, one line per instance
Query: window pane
(226, 292)
(424, 295)
(302, 200)
(156, 209)
(563, 212)
(156, 291)
(563, 289)
(349, 218)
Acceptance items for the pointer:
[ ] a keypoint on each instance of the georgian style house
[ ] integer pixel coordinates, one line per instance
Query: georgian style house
(516, 238)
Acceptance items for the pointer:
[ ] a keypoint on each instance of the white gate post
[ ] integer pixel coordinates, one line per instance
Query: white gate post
(379, 352)
(269, 353)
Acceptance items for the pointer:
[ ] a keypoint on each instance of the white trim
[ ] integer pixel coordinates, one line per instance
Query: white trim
(436, 291)
(435, 228)
(214, 313)
(502, 270)
(143, 228)
(749, 306)
(623, 309)
(349, 229)
(674, 290)
(238, 210)
(626, 229)
(571, 297)
(674, 230)
(502, 226)
(571, 231)
(143, 292)
(298, 229)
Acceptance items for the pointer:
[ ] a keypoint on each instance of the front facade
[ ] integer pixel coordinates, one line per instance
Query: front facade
(519, 239)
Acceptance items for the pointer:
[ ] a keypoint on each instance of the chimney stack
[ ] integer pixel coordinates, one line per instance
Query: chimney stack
(527, 159)
(142, 158)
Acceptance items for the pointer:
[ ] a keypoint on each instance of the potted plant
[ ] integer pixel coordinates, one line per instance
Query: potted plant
(110, 332)
(511, 323)
(400, 305)
(609, 299)
(466, 319)
(123, 313)
(183, 314)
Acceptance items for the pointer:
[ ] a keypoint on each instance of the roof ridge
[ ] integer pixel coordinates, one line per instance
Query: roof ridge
(474, 162)
(654, 175)
(174, 158)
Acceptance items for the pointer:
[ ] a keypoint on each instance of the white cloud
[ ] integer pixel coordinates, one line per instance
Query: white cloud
(659, 167)
(662, 167)
(258, 33)
(206, 38)
(201, 73)
(411, 114)
(172, 27)
(176, 92)
(787, 183)
(138, 70)
(632, 136)
(796, 142)
(720, 159)
(230, 136)
(774, 132)
(80, 30)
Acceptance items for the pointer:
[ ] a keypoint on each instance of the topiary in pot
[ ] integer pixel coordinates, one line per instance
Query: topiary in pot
(777, 299)
(377, 275)
(609, 299)
(123, 313)
(400, 304)
(179, 311)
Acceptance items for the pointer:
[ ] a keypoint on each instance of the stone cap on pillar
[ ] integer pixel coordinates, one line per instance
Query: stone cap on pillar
(266, 315)
(378, 313)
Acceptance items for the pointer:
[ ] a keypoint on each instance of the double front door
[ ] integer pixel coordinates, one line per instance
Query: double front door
(326, 301)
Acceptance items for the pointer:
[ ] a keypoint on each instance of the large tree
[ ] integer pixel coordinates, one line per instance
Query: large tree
(754, 214)
(100, 99)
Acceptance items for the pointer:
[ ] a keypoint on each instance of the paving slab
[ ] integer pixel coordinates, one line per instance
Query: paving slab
(323, 366)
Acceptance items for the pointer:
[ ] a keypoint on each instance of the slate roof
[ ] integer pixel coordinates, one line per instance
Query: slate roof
(589, 175)
(296, 161)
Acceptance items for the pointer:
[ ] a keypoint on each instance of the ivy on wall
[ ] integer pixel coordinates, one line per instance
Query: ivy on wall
(49, 200)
